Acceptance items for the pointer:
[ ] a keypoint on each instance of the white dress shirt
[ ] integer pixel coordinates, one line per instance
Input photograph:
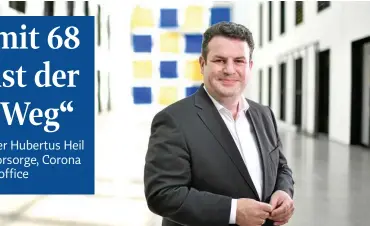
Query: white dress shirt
(240, 130)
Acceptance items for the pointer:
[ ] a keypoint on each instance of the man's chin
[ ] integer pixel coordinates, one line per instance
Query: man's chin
(228, 92)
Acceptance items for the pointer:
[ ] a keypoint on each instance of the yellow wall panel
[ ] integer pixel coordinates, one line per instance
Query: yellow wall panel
(143, 69)
(142, 18)
(194, 18)
(192, 71)
(168, 95)
(170, 42)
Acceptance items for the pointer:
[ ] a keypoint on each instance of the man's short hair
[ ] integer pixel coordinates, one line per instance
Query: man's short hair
(228, 30)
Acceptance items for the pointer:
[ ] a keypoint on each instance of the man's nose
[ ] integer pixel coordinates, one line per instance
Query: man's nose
(229, 68)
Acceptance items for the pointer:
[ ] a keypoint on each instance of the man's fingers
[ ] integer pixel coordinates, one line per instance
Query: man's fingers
(280, 216)
(280, 222)
(280, 210)
(264, 215)
(266, 207)
(283, 217)
(285, 220)
(261, 222)
(286, 207)
(289, 212)
(274, 203)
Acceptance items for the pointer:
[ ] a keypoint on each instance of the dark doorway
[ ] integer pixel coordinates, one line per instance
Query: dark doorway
(282, 72)
(109, 107)
(70, 8)
(86, 8)
(298, 93)
(20, 6)
(48, 8)
(360, 106)
(323, 92)
(100, 107)
(261, 86)
(270, 86)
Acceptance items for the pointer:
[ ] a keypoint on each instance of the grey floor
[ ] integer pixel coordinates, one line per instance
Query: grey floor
(332, 181)
(332, 184)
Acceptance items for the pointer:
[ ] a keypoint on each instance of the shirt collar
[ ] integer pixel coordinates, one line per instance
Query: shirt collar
(242, 107)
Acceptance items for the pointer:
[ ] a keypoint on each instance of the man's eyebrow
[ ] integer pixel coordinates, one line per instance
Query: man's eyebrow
(218, 56)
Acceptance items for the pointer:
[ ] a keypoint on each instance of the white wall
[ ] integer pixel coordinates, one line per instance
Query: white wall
(334, 28)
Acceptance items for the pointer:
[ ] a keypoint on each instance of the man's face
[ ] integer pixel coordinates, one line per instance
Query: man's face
(228, 66)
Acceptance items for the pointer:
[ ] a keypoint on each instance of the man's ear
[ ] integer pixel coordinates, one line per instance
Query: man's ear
(202, 63)
(250, 64)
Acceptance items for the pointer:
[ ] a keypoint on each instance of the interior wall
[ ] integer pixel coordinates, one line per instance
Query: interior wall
(334, 28)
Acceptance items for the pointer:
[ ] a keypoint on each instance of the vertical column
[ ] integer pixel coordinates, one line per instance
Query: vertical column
(304, 88)
(35, 9)
(310, 87)
(290, 90)
(79, 8)
(103, 61)
(121, 81)
(2, 7)
(60, 8)
(275, 89)
(265, 84)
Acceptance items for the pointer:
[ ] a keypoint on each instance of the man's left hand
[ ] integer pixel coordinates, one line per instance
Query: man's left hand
(282, 208)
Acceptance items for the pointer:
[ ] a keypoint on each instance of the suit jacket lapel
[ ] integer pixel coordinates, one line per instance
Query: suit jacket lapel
(254, 119)
(214, 122)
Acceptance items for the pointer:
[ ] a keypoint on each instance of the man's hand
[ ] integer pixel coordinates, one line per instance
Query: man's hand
(249, 212)
(282, 208)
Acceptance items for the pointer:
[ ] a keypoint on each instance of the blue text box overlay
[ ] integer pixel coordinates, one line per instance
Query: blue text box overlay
(47, 105)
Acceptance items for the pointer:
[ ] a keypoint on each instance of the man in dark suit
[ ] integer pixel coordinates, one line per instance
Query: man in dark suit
(215, 158)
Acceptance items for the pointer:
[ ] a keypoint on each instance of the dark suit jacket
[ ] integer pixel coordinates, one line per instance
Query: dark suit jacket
(193, 168)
